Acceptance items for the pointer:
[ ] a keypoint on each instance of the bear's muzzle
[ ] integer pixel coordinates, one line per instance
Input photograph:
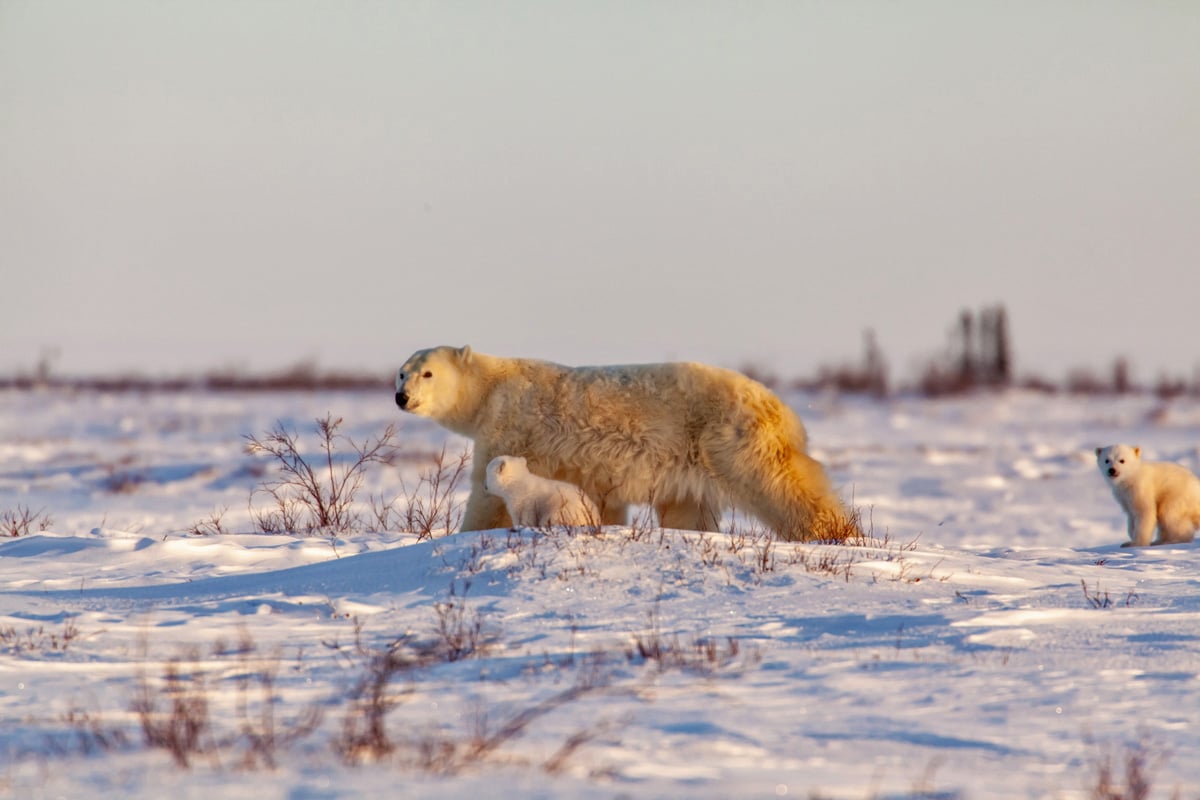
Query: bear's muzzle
(402, 399)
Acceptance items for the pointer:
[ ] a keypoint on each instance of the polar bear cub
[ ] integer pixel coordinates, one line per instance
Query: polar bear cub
(1153, 494)
(536, 502)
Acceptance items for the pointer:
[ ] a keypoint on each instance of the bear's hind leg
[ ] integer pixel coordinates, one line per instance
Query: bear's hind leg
(796, 501)
(688, 516)
(1176, 525)
(613, 513)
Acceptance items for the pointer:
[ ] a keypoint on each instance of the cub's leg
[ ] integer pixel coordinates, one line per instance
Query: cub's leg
(1143, 519)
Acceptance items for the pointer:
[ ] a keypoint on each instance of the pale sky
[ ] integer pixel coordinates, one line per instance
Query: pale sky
(191, 185)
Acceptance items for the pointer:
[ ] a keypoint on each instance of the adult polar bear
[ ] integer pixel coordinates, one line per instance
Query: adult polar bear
(687, 438)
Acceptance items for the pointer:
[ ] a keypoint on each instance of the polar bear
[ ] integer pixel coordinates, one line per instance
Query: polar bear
(1153, 494)
(536, 502)
(689, 439)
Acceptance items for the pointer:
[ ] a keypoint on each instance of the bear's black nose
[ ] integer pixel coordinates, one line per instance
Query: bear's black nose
(402, 399)
(1112, 472)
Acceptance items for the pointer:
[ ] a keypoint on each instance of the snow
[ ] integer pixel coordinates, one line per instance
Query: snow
(992, 641)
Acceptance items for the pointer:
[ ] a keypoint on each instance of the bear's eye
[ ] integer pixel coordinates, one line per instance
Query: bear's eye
(427, 374)
(400, 376)
(1121, 461)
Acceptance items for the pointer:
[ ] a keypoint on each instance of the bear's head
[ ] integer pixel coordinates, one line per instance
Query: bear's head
(502, 470)
(430, 381)
(1117, 461)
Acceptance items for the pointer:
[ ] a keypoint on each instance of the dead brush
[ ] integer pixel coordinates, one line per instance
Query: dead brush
(826, 561)
(644, 522)
(183, 727)
(364, 736)
(263, 730)
(1101, 599)
(212, 526)
(38, 640)
(432, 504)
(316, 495)
(175, 713)
(754, 547)
(451, 755)
(704, 655)
(90, 735)
(460, 632)
(21, 520)
(122, 478)
(1137, 761)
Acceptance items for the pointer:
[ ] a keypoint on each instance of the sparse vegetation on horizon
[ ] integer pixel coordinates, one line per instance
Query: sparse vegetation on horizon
(978, 356)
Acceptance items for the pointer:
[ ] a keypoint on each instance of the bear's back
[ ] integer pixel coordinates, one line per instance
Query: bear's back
(1169, 477)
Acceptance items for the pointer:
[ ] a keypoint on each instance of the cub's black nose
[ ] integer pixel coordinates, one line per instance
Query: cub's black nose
(402, 399)
(1112, 472)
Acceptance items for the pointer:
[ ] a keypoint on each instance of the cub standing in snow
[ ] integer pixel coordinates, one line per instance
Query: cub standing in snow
(536, 502)
(1154, 494)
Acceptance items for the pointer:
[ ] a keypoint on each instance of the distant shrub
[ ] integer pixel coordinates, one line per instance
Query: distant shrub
(979, 356)
(870, 376)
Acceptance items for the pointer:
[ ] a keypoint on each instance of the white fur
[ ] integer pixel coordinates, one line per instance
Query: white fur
(536, 502)
(689, 439)
(1154, 495)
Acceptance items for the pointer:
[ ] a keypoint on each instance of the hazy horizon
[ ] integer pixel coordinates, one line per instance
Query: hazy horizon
(187, 187)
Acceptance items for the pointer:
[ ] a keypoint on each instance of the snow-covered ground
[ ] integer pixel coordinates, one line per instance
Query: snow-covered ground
(994, 641)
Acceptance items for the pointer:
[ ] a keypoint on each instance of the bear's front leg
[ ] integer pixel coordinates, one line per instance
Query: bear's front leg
(484, 511)
(1142, 522)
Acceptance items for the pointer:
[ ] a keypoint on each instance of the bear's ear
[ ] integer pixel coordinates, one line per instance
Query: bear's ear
(1137, 451)
(464, 354)
(1098, 449)
(500, 464)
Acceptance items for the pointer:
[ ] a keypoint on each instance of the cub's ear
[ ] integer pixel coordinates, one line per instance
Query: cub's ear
(1137, 451)
(1098, 449)
(464, 354)
(500, 465)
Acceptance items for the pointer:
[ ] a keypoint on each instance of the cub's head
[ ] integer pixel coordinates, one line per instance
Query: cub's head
(1117, 461)
(430, 382)
(502, 470)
